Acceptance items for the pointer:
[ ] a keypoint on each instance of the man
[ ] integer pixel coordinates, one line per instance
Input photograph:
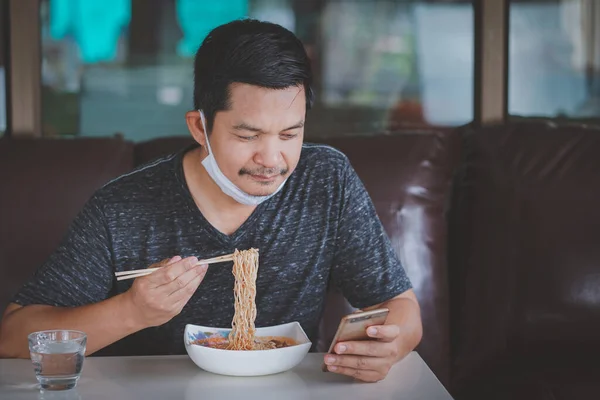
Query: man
(249, 183)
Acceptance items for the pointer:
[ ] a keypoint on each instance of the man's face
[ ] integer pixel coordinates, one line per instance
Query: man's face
(257, 142)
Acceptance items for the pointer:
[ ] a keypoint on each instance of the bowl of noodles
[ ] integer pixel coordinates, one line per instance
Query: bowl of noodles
(277, 349)
(244, 350)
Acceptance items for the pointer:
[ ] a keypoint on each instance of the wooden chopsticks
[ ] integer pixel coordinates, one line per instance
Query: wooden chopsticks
(136, 273)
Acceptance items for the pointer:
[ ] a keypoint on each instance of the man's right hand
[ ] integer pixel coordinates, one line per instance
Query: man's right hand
(158, 297)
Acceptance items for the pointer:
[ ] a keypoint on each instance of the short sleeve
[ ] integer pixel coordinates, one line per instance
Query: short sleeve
(366, 268)
(79, 272)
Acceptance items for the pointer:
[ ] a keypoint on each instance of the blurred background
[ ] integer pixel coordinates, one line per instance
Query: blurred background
(125, 66)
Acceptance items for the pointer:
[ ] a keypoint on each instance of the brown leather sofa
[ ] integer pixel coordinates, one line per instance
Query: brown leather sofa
(496, 227)
(524, 264)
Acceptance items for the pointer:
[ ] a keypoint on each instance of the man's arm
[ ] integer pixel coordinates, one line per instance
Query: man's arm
(72, 290)
(104, 322)
(152, 300)
(370, 275)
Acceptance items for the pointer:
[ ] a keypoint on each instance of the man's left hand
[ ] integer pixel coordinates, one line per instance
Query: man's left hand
(367, 360)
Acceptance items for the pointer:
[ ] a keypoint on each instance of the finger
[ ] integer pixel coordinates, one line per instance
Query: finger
(386, 333)
(357, 362)
(360, 374)
(184, 294)
(168, 274)
(172, 260)
(165, 262)
(368, 348)
(183, 280)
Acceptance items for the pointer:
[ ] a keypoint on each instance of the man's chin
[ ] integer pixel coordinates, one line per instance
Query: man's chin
(262, 188)
(262, 192)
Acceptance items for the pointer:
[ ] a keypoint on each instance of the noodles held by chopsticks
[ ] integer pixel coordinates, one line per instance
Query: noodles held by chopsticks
(245, 269)
(242, 335)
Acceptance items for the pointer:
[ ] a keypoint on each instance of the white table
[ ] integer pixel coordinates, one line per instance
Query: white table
(177, 377)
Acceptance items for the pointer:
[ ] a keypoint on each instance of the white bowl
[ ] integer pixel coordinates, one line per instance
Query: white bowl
(247, 363)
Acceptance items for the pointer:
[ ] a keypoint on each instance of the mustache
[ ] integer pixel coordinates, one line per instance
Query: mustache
(263, 171)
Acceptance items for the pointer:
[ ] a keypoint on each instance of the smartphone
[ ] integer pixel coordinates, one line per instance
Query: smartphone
(354, 327)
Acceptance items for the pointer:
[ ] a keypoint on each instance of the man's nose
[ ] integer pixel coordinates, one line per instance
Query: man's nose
(269, 156)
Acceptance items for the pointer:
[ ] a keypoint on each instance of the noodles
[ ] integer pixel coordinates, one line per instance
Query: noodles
(242, 334)
(245, 269)
(261, 342)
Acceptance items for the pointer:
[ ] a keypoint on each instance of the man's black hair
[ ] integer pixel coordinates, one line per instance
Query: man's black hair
(252, 52)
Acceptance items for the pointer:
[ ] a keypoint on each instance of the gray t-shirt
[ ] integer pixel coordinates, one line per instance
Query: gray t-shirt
(320, 228)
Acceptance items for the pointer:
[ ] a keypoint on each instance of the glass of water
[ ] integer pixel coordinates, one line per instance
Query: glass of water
(57, 357)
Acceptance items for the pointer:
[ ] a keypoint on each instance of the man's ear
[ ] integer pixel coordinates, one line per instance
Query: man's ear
(194, 123)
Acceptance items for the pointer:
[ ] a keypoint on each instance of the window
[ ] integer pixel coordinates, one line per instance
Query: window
(123, 66)
(554, 59)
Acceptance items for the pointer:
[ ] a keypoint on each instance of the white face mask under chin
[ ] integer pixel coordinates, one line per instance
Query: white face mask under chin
(228, 187)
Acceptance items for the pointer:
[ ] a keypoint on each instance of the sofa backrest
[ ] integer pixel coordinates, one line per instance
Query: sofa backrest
(525, 262)
(43, 185)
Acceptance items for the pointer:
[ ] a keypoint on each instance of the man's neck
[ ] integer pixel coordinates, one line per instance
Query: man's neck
(223, 212)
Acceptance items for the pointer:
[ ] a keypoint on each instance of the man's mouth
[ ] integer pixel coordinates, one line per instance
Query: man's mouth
(264, 178)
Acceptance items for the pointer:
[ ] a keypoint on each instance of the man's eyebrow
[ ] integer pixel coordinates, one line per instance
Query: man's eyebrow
(242, 126)
(245, 127)
(296, 126)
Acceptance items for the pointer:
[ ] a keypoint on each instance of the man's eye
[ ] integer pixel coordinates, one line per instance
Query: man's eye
(247, 138)
(288, 136)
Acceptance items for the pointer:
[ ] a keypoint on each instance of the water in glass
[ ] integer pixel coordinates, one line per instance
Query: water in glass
(57, 358)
